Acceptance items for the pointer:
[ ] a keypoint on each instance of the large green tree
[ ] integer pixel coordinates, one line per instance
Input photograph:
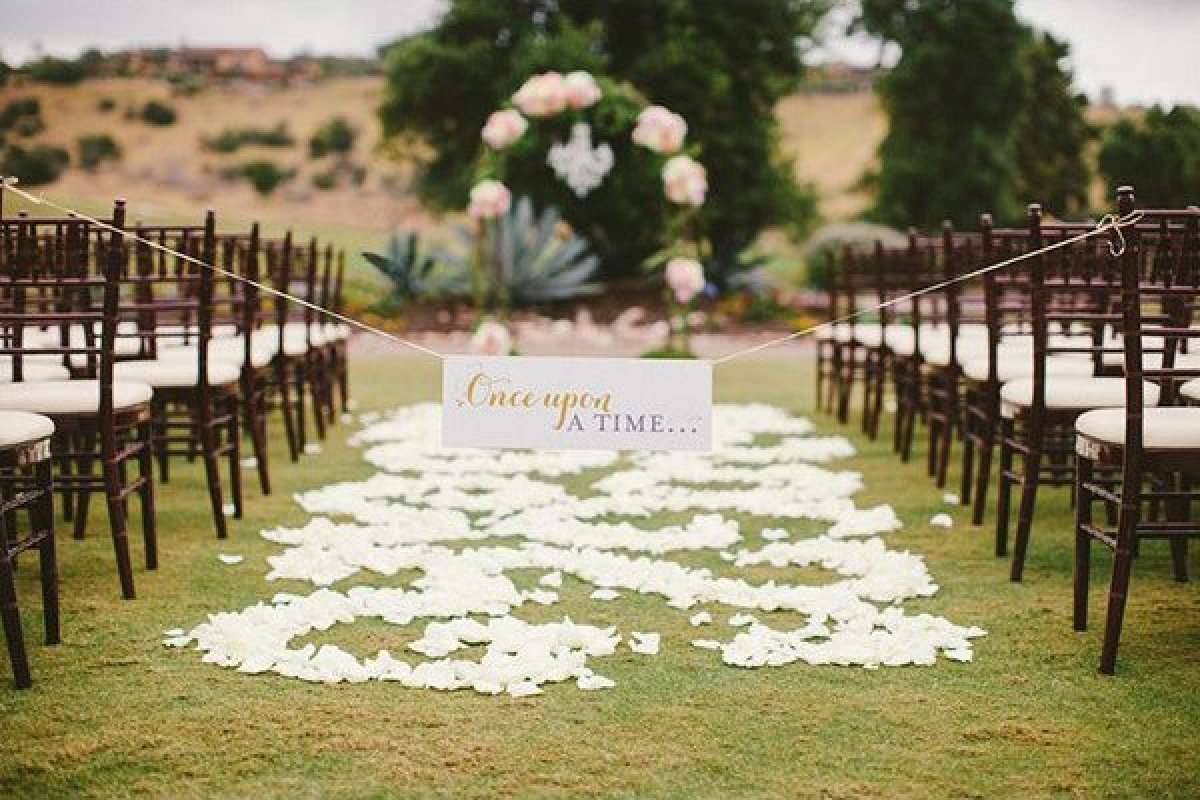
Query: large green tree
(1052, 133)
(1159, 155)
(722, 65)
(952, 102)
(983, 114)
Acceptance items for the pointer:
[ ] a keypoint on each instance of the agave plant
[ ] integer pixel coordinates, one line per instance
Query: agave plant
(416, 274)
(529, 260)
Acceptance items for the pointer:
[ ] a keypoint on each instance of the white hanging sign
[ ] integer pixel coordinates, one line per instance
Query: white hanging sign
(576, 403)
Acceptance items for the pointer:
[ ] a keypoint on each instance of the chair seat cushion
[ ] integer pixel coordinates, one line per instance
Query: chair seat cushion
(230, 349)
(338, 331)
(21, 427)
(868, 333)
(1191, 389)
(1013, 363)
(901, 339)
(1162, 428)
(176, 373)
(1068, 392)
(32, 370)
(71, 397)
(843, 332)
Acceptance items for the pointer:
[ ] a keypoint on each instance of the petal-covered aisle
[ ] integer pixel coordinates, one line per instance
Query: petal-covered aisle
(474, 524)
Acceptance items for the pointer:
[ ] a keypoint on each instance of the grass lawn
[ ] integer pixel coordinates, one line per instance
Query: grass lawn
(113, 713)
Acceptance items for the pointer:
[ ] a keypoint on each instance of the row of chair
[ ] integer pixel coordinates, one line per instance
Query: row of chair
(126, 346)
(1074, 367)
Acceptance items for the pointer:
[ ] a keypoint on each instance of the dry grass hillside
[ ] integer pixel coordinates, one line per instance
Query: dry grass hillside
(166, 172)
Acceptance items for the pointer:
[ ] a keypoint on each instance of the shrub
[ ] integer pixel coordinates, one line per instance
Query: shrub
(20, 109)
(56, 70)
(106, 104)
(334, 137)
(157, 113)
(97, 147)
(29, 126)
(325, 180)
(35, 166)
(1159, 157)
(264, 176)
(230, 139)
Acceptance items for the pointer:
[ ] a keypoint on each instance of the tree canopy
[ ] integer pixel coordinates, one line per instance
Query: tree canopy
(1158, 155)
(722, 65)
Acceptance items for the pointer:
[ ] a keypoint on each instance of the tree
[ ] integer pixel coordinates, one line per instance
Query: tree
(952, 100)
(1159, 156)
(722, 65)
(1051, 134)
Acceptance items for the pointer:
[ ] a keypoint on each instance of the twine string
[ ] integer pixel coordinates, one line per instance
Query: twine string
(1109, 222)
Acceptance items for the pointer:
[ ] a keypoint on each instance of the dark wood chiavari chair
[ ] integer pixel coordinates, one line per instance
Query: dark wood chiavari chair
(1072, 291)
(96, 418)
(1146, 456)
(26, 485)
(196, 404)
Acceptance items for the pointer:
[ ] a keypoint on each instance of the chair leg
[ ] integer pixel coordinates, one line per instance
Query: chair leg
(85, 466)
(145, 458)
(1003, 488)
(285, 408)
(208, 444)
(299, 379)
(116, 524)
(1177, 511)
(1083, 541)
(316, 382)
(1029, 487)
(257, 422)
(1119, 587)
(983, 477)
(235, 454)
(12, 624)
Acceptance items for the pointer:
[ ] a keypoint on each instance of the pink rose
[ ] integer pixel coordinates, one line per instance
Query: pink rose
(542, 95)
(489, 199)
(660, 130)
(503, 128)
(582, 89)
(685, 181)
(491, 339)
(685, 278)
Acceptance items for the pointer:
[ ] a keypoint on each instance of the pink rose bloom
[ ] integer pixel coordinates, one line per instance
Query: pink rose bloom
(582, 89)
(491, 339)
(542, 95)
(660, 130)
(503, 128)
(685, 278)
(685, 181)
(489, 199)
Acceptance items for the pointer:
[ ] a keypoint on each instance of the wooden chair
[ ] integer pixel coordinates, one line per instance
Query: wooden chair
(60, 287)
(1072, 290)
(196, 404)
(26, 485)
(1146, 455)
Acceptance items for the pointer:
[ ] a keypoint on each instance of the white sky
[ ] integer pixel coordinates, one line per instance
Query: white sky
(1146, 50)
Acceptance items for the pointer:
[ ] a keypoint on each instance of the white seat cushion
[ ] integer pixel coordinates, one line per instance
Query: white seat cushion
(70, 397)
(1191, 389)
(1162, 428)
(20, 427)
(33, 370)
(868, 333)
(901, 339)
(176, 373)
(339, 331)
(229, 349)
(840, 333)
(1071, 392)
(1013, 363)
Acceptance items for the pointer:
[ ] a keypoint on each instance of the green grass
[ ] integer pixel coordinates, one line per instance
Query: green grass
(113, 713)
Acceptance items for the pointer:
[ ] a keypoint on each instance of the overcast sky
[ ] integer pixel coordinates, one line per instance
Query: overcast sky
(1145, 50)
